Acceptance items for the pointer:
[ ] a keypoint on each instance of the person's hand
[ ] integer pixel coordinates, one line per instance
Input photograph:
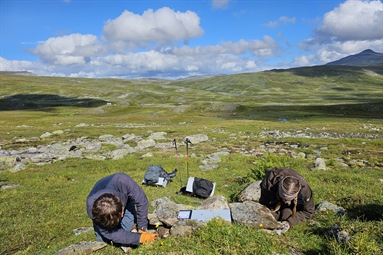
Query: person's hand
(283, 228)
(148, 237)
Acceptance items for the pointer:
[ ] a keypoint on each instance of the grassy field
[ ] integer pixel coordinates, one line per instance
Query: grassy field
(38, 217)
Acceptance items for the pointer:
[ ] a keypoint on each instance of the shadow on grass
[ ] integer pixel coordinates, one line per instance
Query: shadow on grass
(362, 213)
(44, 101)
(370, 110)
(335, 71)
(369, 212)
(323, 247)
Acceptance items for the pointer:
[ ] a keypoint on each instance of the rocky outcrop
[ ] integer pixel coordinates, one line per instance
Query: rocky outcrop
(85, 148)
(107, 147)
(247, 211)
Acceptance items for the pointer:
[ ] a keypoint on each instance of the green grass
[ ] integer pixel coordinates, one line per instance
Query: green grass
(38, 217)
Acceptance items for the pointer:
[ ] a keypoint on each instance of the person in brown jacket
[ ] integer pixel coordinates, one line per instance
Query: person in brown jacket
(287, 194)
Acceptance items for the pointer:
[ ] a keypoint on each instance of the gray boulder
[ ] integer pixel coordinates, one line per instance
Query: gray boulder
(253, 214)
(46, 135)
(105, 138)
(119, 153)
(167, 213)
(194, 139)
(184, 227)
(214, 203)
(319, 164)
(327, 206)
(251, 193)
(18, 167)
(143, 144)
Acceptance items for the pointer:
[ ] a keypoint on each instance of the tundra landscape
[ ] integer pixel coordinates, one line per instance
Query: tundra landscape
(277, 118)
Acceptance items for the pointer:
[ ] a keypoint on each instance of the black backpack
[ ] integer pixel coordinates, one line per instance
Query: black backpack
(202, 187)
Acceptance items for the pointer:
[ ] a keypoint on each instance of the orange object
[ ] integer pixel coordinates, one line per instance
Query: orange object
(147, 237)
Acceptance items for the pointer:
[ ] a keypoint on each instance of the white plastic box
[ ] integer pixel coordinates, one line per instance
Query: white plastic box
(161, 182)
(189, 186)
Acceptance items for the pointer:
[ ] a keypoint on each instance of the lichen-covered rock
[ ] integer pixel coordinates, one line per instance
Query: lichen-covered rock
(214, 203)
(253, 214)
(327, 206)
(251, 193)
(195, 139)
(143, 144)
(81, 230)
(186, 226)
(319, 164)
(154, 220)
(163, 232)
(168, 213)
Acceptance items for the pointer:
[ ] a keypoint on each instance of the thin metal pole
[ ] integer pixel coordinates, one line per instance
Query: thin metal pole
(178, 163)
(187, 141)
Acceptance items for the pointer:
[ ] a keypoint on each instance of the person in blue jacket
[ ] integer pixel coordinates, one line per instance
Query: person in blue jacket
(116, 204)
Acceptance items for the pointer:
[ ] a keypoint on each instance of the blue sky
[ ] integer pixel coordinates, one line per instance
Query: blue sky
(174, 39)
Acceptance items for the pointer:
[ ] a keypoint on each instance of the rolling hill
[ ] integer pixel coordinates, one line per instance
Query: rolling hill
(364, 58)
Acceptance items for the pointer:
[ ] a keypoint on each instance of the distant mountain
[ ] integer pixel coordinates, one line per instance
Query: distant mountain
(364, 58)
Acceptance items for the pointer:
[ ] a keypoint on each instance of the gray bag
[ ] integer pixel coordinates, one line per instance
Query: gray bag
(152, 175)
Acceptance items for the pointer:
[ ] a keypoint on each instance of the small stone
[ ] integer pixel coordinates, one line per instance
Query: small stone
(320, 164)
(327, 206)
(81, 230)
(126, 249)
(9, 186)
(46, 135)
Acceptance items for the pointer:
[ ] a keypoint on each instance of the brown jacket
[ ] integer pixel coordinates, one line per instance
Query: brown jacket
(269, 191)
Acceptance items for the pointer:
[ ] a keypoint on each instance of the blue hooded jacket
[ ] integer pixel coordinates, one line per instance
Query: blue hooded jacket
(126, 189)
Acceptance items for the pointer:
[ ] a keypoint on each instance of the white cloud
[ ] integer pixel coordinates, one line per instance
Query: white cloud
(354, 20)
(184, 61)
(15, 65)
(69, 49)
(272, 24)
(177, 62)
(285, 20)
(220, 4)
(303, 60)
(162, 27)
(259, 48)
(337, 50)
(251, 65)
(350, 28)
(79, 55)
(282, 19)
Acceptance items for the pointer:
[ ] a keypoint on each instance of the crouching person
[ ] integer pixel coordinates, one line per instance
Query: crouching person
(287, 194)
(116, 204)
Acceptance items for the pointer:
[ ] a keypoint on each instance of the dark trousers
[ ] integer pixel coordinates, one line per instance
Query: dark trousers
(283, 214)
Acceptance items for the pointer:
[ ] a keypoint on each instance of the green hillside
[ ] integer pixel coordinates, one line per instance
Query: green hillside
(320, 85)
(331, 112)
